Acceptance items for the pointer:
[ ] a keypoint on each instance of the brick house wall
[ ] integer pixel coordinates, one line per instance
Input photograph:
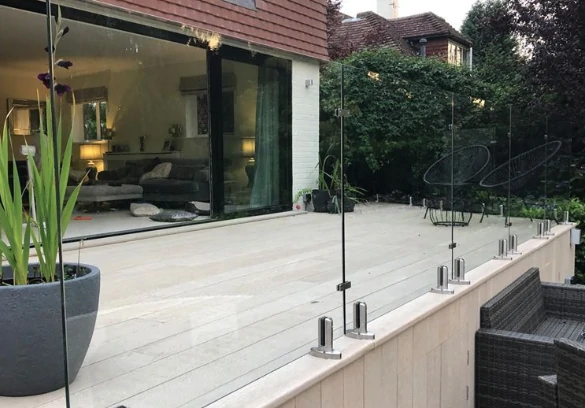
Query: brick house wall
(438, 47)
(297, 26)
(305, 126)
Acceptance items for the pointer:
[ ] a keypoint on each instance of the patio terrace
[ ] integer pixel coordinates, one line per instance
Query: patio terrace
(189, 317)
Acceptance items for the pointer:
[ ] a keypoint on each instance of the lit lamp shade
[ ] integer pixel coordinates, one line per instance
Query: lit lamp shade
(248, 147)
(91, 152)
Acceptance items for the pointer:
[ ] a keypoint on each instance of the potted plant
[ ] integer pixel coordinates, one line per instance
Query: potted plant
(351, 193)
(32, 358)
(327, 198)
(321, 196)
(306, 195)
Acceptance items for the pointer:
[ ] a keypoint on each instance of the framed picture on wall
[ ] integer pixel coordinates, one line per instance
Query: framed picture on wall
(197, 109)
(202, 115)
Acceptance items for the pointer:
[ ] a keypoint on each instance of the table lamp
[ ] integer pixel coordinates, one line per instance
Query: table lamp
(249, 151)
(91, 152)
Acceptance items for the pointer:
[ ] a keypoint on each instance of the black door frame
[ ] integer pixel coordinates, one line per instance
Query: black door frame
(216, 154)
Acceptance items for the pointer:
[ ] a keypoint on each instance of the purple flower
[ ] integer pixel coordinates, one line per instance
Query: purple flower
(64, 64)
(62, 89)
(45, 78)
(65, 31)
(47, 49)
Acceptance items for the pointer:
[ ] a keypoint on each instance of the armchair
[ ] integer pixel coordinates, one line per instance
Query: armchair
(515, 342)
(566, 389)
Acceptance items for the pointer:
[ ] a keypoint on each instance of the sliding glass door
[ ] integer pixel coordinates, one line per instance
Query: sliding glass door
(254, 152)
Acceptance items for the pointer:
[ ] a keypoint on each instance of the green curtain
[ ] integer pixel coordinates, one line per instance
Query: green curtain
(266, 187)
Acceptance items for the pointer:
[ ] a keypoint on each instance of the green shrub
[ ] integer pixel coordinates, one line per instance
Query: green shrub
(576, 210)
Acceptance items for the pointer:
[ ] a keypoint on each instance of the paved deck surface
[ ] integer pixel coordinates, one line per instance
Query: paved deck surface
(187, 318)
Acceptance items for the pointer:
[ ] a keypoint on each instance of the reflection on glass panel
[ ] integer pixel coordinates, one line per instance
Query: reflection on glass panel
(256, 135)
(141, 162)
(397, 129)
(482, 129)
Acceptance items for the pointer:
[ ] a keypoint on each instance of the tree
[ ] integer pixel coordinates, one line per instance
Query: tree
(400, 112)
(334, 18)
(496, 58)
(554, 34)
(489, 25)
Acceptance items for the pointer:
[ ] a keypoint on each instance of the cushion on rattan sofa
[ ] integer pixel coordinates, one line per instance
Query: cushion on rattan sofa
(515, 344)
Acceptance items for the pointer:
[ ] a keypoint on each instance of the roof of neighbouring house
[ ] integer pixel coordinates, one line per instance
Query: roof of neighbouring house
(426, 25)
(368, 29)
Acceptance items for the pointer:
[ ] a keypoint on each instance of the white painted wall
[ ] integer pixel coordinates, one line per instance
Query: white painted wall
(305, 125)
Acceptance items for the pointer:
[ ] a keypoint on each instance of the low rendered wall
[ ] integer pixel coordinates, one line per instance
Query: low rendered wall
(423, 355)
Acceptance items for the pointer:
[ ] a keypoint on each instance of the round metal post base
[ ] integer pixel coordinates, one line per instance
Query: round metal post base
(442, 291)
(459, 282)
(327, 355)
(355, 334)
(503, 258)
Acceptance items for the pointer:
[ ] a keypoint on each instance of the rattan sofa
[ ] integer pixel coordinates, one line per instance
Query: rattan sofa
(515, 342)
(566, 389)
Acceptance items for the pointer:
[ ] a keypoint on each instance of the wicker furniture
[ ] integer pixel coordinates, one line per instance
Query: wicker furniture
(548, 391)
(515, 344)
(567, 388)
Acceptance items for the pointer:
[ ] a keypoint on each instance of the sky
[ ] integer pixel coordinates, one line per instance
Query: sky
(454, 11)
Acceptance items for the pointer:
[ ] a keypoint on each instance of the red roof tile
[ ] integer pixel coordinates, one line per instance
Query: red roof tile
(369, 29)
(297, 26)
(426, 25)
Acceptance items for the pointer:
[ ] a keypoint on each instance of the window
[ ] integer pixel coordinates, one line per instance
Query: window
(94, 119)
(90, 113)
(26, 117)
(251, 4)
(458, 55)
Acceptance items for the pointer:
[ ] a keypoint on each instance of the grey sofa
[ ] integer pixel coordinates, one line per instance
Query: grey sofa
(188, 181)
(515, 342)
(566, 389)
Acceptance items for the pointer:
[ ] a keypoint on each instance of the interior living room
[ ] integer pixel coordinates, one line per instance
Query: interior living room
(139, 115)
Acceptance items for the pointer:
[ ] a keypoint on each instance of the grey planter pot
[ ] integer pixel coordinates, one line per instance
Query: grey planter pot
(31, 348)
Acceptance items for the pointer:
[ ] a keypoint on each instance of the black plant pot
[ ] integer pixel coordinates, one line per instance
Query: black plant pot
(31, 341)
(349, 204)
(321, 199)
(335, 205)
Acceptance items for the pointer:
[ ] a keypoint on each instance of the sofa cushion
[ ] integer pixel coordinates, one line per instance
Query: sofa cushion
(161, 171)
(182, 172)
(169, 186)
(77, 176)
(173, 216)
(144, 210)
(121, 172)
(139, 167)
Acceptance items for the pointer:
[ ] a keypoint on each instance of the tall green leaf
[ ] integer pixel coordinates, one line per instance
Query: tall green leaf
(14, 225)
(46, 239)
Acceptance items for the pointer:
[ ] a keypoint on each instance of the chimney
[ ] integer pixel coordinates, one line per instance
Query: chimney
(388, 8)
